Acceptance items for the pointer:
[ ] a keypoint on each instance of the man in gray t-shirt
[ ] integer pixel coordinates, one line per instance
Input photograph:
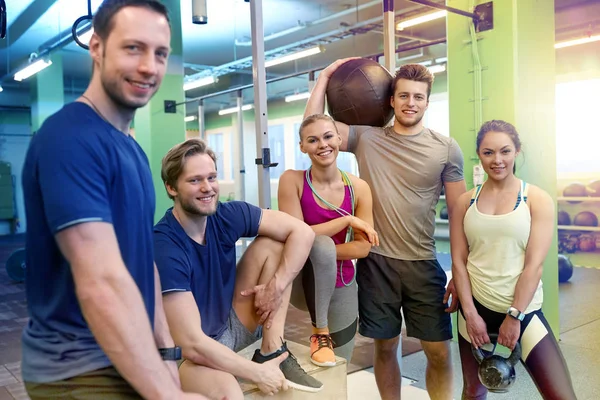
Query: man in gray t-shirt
(406, 166)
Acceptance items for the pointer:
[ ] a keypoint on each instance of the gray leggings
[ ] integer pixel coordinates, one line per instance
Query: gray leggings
(314, 291)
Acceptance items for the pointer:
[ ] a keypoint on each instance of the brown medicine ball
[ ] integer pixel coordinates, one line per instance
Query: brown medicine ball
(359, 92)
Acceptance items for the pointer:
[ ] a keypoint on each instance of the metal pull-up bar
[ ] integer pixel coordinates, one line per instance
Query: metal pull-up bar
(483, 17)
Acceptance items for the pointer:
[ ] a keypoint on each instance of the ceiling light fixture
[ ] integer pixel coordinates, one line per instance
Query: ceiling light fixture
(575, 42)
(297, 96)
(33, 68)
(420, 19)
(436, 69)
(235, 109)
(294, 56)
(207, 80)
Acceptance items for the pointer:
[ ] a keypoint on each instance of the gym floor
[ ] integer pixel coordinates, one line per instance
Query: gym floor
(579, 340)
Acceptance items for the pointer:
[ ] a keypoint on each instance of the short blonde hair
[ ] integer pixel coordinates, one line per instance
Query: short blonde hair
(174, 161)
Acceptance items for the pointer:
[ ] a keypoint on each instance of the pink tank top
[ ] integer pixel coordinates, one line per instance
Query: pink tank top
(314, 214)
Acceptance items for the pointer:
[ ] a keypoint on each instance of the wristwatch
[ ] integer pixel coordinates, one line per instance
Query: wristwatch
(516, 314)
(171, 353)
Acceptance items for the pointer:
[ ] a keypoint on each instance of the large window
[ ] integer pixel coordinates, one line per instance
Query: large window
(215, 142)
(577, 126)
(437, 116)
(301, 160)
(277, 146)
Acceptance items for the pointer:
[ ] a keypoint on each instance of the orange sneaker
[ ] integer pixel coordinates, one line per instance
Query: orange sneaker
(321, 350)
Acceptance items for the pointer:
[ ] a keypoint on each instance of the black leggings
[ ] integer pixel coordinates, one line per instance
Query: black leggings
(541, 356)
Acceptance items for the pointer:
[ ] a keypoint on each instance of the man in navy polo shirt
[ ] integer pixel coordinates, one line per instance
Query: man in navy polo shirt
(195, 245)
(93, 295)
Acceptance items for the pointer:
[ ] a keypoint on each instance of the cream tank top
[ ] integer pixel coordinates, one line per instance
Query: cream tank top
(497, 245)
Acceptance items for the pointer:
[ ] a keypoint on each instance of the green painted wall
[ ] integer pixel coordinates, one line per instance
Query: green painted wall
(157, 131)
(47, 92)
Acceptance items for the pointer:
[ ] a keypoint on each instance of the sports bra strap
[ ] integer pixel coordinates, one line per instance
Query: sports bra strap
(475, 195)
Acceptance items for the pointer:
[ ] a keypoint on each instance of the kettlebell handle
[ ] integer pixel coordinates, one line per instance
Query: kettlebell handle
(514, 357)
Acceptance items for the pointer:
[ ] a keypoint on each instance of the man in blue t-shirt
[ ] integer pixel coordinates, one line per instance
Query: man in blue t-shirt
(93, 295)
(195, 245)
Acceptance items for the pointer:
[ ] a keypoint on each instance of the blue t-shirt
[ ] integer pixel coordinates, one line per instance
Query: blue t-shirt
(208, 271)
(79, 169)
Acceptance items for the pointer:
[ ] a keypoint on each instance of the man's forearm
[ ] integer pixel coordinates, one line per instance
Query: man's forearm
(214, 355)
(116, 315)
(316, 101)
(162, 335)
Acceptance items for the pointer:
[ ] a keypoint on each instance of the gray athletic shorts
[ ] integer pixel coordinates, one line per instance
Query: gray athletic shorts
(237, 336)
(387, 285)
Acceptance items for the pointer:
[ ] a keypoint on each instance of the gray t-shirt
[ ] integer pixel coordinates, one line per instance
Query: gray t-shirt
(405, 174)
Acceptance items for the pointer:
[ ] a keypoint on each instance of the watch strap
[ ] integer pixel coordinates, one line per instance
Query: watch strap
(516, 314)
(170, 353)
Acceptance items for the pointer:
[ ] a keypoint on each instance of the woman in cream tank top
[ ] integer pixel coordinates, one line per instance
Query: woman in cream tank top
(500, 233)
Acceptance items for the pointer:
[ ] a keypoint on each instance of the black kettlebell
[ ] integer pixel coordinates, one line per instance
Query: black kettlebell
(495, 372)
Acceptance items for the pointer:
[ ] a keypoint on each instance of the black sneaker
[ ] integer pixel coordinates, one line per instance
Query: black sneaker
(296, 377)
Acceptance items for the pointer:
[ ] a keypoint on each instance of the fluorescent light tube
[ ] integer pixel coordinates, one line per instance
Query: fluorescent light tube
(32, 69)
(190, 118)
(235, 109)
(420, 19)
(435, 69)
(207, 80)
(575, 42)
(294, 56)
(298, 96)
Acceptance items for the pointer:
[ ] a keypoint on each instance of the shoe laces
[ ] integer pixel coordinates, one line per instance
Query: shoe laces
(293, 363)
(323, 340)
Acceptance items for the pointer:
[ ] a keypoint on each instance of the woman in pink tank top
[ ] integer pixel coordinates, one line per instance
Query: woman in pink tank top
(338, 206)
(500, 235)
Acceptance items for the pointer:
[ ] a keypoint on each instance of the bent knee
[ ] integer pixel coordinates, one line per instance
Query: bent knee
(265, 246)
(323, 252)
(438, 357)
(322, 245)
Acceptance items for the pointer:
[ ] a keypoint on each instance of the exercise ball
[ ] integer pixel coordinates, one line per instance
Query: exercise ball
(563, 218)
(444, 213)
(575, 189)
(359, 92)
(587, 243)
(585, 218)
(565, 268)
(594, 188)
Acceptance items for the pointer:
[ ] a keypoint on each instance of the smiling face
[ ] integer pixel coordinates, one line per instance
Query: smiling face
(132, 60)
(321, 142)
(497, 153)
(410, 103)
(197, 188)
